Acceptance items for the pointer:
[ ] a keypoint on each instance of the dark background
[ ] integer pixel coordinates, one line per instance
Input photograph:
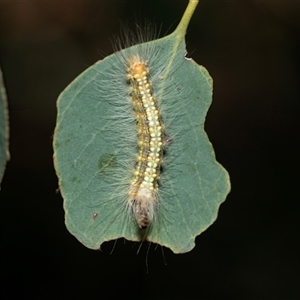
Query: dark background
(251, 49)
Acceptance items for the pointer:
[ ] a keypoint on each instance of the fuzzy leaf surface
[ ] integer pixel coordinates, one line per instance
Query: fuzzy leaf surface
(85, 146)
(4, 131)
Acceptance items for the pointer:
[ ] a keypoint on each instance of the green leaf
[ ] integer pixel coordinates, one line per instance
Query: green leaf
(92, 154)
(4, 153)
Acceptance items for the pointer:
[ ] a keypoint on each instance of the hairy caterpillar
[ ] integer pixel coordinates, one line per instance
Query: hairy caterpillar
(150, 133)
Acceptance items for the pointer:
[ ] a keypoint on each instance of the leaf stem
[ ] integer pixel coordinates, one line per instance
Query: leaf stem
(180, 31)
(185, 20)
